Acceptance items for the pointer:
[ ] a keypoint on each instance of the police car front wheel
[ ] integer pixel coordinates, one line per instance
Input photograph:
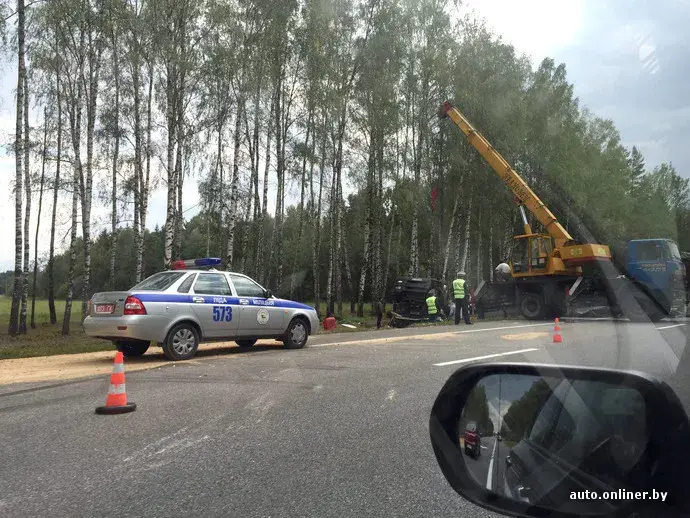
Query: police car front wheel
(296, 334)
(182, 342)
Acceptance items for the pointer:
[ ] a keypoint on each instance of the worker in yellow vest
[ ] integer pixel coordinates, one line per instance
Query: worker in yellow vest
(461, 295)
(433, 308)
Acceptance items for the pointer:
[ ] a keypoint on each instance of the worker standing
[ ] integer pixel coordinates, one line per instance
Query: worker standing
(502, 271)
(461, 294)
(432, 306)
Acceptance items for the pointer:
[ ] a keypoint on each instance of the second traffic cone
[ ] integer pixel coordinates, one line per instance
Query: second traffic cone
(116, 401)
(557, 338)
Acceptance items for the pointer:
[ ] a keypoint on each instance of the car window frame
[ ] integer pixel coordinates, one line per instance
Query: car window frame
(236, 291)
(222, 274)
(178, 276)
(192, 276)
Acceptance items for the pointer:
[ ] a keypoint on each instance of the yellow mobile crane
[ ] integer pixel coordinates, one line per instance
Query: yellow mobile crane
(545, 267)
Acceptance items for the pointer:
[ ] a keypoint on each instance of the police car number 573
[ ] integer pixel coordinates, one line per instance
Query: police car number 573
(190, 303)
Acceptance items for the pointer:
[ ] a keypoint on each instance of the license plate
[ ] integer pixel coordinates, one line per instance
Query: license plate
(105, 308)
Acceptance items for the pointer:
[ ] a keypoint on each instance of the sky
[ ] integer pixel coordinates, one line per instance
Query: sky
(627, 58)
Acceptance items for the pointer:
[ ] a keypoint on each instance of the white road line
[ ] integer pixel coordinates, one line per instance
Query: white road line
(669, 327)
(489, 477)
(464, 360)
(504, 327)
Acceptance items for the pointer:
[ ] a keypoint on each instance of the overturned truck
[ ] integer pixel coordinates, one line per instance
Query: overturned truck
(409, 299)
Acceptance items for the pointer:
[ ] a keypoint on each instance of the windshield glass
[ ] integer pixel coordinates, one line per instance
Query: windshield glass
(309, 201)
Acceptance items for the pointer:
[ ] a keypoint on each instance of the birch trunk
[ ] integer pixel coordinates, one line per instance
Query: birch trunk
(27, 215)
(491, 245)
(144, 187)
(348, 272)
(171, 108)
(466, 241)
(365, 263)
(13, 327)
(316, 236)
(38, 216)
(67, 317)
(138, 165)
(259, 261)
(94, 69)
(116, 158)
(303, 185)
(331, 249)
(56, 187)
(232, 217)
(449, 241)
(480, 273)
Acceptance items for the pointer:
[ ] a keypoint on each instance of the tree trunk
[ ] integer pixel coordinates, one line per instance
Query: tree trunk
(138, 163)
(116, 158)
(259, 262)
(94, 69)
(466, 244)
(56, 187)
(27, 215)
(346, 263)
(144, 188)
(491, 244)
(303, 186)
(234, 186)
(171, 116)
(331, 250)
(67, 318)
(338, 248)
(179, 175)
(277, 240)
(19, 171)
(386, 271)
(38, 216)
(449, 241)
(480, 273)
(316, 237)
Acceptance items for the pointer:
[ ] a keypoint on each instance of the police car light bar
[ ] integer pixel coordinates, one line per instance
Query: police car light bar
(195, 263)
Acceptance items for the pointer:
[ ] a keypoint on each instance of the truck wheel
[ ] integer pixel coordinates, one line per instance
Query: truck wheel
(296, 334)
(246, 343)
(131, 348)
(531, 306)
(182, 342)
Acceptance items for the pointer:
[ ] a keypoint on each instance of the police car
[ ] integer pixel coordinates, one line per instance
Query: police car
(187, 304)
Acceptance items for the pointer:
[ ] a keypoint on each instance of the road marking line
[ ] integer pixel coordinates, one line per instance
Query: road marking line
(489, 477)
(443, 364)
(669, 327)
(504, 327)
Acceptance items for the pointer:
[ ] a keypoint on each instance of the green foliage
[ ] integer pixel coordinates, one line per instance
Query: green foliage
(518, 420)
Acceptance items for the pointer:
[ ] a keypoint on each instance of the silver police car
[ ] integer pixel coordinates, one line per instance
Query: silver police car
(183, 306)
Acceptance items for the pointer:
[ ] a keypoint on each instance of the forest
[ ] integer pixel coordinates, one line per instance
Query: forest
(310, 129)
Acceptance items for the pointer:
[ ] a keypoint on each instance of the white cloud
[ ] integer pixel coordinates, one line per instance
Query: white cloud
(535, 27)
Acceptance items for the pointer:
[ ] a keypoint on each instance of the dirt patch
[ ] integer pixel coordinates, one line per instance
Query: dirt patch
(63, 367)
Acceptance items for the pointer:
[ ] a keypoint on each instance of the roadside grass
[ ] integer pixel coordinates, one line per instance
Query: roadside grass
(46, 339)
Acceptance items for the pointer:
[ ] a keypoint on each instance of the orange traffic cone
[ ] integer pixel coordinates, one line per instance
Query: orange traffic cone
(557, 338)
(116, 401)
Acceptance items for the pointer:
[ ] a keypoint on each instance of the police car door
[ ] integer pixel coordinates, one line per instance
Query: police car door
(259, 316)
(212, 302)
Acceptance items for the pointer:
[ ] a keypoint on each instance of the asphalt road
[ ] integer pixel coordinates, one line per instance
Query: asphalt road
(330, 430)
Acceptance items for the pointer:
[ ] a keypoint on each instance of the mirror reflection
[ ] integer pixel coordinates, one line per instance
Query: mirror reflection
(547, 440)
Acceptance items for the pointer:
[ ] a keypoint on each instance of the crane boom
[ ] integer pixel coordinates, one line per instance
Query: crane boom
(509, 176)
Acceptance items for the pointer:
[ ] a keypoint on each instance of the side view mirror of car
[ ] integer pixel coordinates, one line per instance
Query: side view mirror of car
(268, 294)
(574, 441)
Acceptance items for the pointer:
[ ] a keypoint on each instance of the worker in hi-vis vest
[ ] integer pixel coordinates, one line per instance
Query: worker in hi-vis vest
(433, 307)
(461, 295)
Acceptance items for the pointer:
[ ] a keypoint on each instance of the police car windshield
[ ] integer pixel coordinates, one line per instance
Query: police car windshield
(159, 281)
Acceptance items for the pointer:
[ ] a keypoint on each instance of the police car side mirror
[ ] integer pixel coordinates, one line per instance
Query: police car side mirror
(268, 294)
(574, 441)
